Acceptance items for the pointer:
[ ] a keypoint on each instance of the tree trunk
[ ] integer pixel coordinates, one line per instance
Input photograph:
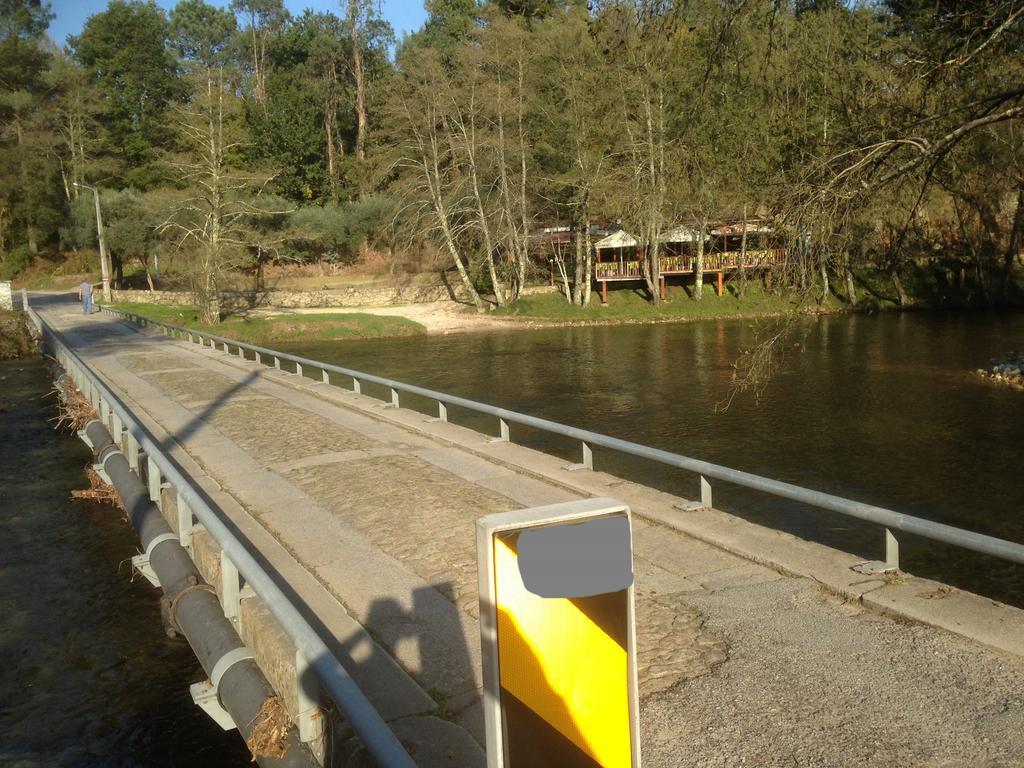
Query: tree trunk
(485, 228)
(588, 256)
(258, 91)
(357, 71)
(209, 305)
(1013, 244)
(698, 263)
(743, 254)
(823, 268)
(431, 171)
(329, 131)
(901, 294)
(578, 267)
(851, 294)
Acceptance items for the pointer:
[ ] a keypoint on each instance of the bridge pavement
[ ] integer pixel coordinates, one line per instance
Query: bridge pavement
(368, 514)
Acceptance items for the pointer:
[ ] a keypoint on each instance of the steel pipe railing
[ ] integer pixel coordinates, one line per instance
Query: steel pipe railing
(378, 737)
(889, 519)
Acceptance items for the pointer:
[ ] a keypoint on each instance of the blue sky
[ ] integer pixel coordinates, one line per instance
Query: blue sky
(404, 15)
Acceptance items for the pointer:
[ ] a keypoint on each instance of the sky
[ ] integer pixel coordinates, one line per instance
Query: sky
(404, 15)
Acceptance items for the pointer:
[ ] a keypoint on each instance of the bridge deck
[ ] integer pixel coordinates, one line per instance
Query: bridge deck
(367, 513)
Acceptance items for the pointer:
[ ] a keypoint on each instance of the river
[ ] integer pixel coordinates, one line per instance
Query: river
(87, 677)
(883, 408)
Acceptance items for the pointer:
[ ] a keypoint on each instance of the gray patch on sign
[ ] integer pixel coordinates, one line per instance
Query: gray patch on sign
(577, 559)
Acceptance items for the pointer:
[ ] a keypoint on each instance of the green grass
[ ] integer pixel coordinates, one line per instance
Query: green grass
(629, 304)
(334, 326)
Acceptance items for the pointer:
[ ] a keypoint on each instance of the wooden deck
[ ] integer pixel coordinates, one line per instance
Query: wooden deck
(716, 263)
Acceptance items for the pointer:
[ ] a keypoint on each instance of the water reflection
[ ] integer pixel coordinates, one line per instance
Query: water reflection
(882, 408)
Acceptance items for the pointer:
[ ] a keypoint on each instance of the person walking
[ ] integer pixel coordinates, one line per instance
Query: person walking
(85, 296)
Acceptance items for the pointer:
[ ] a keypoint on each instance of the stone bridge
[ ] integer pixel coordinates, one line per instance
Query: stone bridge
(781, 657)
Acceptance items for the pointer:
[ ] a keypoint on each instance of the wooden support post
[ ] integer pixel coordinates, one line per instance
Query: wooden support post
(604, 291)
(661, 286)
(719, 286)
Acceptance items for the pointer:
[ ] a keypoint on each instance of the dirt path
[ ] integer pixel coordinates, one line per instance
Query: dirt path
(439, 317)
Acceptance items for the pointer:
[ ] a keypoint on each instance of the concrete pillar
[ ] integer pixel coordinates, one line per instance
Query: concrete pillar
(6, 301)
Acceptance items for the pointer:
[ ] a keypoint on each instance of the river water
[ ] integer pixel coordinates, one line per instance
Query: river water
(884, 408)
(87, 677)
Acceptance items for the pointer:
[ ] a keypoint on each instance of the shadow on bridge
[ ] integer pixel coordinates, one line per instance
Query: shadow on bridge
(427, 620)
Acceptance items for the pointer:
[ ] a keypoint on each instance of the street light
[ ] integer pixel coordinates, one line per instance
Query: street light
(104, 268)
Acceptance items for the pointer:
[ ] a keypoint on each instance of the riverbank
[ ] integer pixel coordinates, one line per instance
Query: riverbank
(927, 289)
(15, 341)
(266, 327)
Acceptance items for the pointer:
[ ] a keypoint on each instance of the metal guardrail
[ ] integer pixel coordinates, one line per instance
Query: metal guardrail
(311, 651)
(887, 518)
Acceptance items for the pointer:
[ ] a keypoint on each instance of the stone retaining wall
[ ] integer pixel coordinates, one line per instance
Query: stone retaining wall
(345, 296)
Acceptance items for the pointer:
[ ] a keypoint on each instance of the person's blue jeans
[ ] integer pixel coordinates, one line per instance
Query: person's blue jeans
(87, 304)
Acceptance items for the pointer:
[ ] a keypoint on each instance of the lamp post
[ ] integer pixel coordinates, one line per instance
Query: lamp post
(104, 265)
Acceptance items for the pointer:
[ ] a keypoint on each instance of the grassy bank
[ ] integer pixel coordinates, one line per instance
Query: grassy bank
(926, 286)
(15, 341)
(283, 328)
(628, 305)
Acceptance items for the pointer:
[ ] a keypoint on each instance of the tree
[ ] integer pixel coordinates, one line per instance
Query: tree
(265, 19)
(136, 82)
(422, 118)
(202, 33)
(26, 204)
(211, 223)
(73, 119)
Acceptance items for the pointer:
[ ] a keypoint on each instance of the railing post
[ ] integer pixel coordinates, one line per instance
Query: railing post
(325, 376)
(309, 719)
(442, 411)
(185, 524)
(229, 587)
(588, 459)
(259, 359)
(892, 550)
(394, 399)
(503, 437)
(356, 386)
(24, 299)
(588, 456)
(298, 369)
(133, 453)
(118, 432)
(153, 480)
(277, 362)
(705, 493)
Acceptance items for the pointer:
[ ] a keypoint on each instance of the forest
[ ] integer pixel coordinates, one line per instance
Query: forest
(870, 135)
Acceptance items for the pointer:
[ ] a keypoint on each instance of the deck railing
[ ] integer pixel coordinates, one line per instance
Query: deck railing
(311, 651)
(684, 264)
(610, 269)
(888, 519)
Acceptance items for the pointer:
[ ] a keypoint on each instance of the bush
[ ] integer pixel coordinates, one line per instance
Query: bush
(14, 262)
(79, 229)
(336, 233)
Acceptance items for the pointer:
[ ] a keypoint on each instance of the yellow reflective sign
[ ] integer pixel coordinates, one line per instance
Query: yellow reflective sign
(563, 667)
(560, 663)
